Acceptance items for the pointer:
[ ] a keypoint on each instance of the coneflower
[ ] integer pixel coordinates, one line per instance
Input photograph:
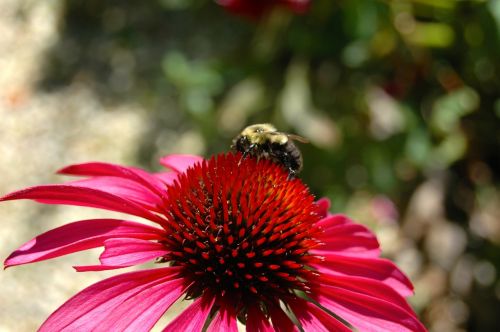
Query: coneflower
(258, 8)
(236, 236)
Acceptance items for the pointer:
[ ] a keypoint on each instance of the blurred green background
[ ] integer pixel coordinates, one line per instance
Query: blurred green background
(399, 98)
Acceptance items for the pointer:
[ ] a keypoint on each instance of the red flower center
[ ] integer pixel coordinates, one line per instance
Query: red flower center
(241, 228)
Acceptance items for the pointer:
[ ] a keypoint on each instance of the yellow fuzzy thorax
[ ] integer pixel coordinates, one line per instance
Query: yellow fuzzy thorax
(262, 133)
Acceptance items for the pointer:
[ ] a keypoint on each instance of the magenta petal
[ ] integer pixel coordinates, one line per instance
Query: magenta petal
(106, 169)
(128, 252)
(81, 196)
(313, 318)
(224, 321)
(193, 317)
(333, 220)
(373, 268)
(78, 236)
(256, 321)
(167, 177)
(366, 286)
(123, 188)
(142, 311)
(323, 206)
(367, 313)
(280, 321)
(87, 309)
(348, 239)
(180, 162)
(94, 268)
(346, 228)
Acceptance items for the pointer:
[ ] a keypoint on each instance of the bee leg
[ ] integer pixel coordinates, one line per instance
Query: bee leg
(243, 155)
(246, 152)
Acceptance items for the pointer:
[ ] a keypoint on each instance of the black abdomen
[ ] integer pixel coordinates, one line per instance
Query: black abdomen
(288, 155)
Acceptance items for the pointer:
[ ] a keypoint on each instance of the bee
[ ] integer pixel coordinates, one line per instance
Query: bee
(265, 141)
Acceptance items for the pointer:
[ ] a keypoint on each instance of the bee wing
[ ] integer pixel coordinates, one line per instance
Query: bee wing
(298, 138)
(290, 136)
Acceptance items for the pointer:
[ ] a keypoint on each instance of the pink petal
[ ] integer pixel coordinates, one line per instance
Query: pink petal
(81, 196)
(280, 321)
(333, 220)
(312, 318)
(142, 311)
(128, 252)
(224, 321)
(94, 268)
(180, 162)
(193, 317)
(348, 239)
(323, 206)
(348, 229)
(123, 188)
(167, 177)
(78, 236)
(367, 313)
(256, 321)
(366, 286)
(373, 268)
(87, 309)
(106, 169)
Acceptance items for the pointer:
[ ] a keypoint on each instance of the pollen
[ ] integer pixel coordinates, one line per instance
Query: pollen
(241, 227)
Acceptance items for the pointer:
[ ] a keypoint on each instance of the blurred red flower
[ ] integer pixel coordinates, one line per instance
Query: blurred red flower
(257, 8)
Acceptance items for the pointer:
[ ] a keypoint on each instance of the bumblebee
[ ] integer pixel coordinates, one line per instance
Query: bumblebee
(265, 141)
